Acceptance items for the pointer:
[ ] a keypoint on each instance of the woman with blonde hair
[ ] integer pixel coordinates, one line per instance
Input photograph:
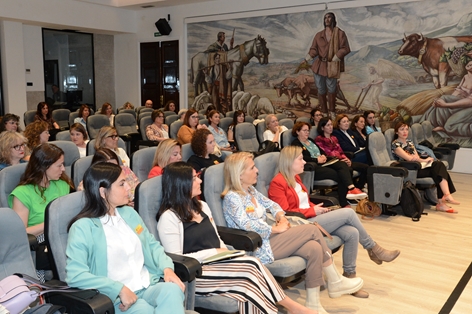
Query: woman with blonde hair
(12, 148)
(245, 208)
(287, 190)
(107, 137)
(107, 110)
(167, 152)
(273, 129)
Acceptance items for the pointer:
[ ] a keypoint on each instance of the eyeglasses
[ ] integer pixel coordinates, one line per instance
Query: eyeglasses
(18, 147)
(113, 137)
(194, 117)
(304, 130)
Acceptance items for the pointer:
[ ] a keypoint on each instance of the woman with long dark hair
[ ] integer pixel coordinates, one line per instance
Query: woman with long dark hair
(186, 227)
(43, 113)
(110, 249)
(238, 117)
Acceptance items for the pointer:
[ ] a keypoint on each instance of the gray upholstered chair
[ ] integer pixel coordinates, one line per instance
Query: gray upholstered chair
(63, 136)
(225, 122)
(141, 162)
(281, 116)
(130, 111)
(286, 138)
(148, 196)
(248, 119)
(261, 127)
(9, 179)
(428, 135)
(28, 116)
(288, 123)
(62, 118)
(78, 169)
(125, 123)
(143, 123)
(170, 119)
(95, 123)
(245, 137)
(174, 129)
(168, 113)
(204, 121)
(417, 135)
(230, 114)
(71, 154)
(72, 116)
(187, 152)
(144, 114)
(303, 119)
(142, 109)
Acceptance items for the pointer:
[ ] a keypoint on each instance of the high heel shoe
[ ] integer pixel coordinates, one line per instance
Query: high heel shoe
(450, 201)
(442, 207)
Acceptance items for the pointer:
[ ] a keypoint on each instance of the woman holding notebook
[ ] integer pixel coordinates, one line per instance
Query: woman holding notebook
(186, 227)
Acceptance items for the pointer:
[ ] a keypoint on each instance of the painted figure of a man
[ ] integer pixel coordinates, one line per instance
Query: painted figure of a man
(219, 44)
(330, 46)
(219, 77)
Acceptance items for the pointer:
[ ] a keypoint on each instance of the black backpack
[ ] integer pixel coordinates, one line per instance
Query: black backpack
(411, 201)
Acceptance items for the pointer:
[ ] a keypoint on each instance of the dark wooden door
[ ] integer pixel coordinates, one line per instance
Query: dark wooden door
(160, 72)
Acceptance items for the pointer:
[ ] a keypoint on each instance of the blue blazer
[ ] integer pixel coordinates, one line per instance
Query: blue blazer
(345, 142)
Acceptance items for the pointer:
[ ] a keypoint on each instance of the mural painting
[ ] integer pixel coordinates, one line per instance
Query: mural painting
(404, 61)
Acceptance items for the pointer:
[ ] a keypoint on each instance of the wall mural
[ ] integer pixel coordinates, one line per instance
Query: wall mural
(408, 60)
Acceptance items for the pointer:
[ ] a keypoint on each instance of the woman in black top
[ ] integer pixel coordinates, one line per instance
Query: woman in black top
(203, 145)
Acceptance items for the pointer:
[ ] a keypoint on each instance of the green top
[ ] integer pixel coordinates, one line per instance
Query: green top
(30, 196)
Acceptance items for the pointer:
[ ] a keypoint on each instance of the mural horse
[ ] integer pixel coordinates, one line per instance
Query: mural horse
(241, 54)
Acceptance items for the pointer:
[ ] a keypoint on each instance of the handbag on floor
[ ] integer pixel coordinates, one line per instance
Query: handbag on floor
(368, 209)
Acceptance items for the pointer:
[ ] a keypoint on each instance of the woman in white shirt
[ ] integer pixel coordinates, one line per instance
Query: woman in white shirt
(107, 137)
(79, 137)
(84, 113)
(273, 129)
(107, 110)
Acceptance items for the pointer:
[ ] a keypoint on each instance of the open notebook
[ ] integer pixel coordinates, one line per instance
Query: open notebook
(223, 255)
(329, 163)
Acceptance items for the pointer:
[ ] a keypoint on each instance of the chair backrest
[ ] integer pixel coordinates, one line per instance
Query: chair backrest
(268, 166)
(261, 127)
(142, 109)
(28, 116)
(141, 162)
(95, 123)
(229, 114)
(378, 150)
(187, 152)
(15, 255)
(303, 119)
(125, 123)
(201, 116)
(248, 119)
(72, 116)
(286, 138)
(62, 117)
(174, 129)
(169, 113)
(9, 179)
(416, 133)
(56, 219)
(147, 200)
(288, 123)
(170, 119)
(313, 132)
(71, 154)
(428, 132)
(225, 122)
(91, 146)
(245, 137)
(214, 184)
(78, 169)
(143, 123)
(389, 134)
(130, 111)
(281, 116)
(63, 136)
(144, 114)
(262, 116)
(204, 121)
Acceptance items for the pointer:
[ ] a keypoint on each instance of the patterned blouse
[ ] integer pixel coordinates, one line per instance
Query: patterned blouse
(408, 147)
(239, 212)
(153, 132)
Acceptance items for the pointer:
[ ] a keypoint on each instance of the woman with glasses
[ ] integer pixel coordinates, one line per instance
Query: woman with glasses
(189, 126)
(44, 114)
(12, 148)
(168, 151)
(107, 137)
(10, 122)
(107, 110)
(157, 131)
(273, 129)
(315, 117)
(37, 132)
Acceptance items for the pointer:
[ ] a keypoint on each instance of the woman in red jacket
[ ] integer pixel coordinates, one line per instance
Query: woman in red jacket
(288, 191)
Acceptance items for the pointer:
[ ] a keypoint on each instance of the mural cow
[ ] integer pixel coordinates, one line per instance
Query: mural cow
(428, 51)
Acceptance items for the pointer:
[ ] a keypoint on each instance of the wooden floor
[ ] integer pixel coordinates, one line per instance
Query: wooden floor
(435, 253)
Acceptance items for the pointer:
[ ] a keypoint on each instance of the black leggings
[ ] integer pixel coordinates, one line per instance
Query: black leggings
(437, 172)
(339, 172)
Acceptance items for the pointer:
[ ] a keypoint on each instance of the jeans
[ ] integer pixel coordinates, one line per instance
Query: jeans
(324, 83)
(345, 223)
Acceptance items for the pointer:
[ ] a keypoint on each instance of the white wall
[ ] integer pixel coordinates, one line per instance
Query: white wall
(33, 56)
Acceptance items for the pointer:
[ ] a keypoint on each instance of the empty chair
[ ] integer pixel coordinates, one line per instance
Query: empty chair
(245, 137)
(201, 115)
(126, 127)
(170, 119)
(95, 123)
(62, 118)
(141, 162)
(428, 136)
(78, 169)
(9, 179)
(262, 116)
(71, 154)
(174, 129)
(63, 136)
(288, 123)
(248, 119)
(28, 116)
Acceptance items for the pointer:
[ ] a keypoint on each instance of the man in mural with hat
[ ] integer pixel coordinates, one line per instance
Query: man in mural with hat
(330, 46)
(219, 44)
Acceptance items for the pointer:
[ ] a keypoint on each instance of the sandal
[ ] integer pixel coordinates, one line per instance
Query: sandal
(446, 209)
(451, 201)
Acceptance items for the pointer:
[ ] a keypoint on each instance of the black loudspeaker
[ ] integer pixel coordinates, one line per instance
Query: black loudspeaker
(163, 27)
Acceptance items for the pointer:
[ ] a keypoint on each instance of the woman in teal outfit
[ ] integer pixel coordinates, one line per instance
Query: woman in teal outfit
(110, 249)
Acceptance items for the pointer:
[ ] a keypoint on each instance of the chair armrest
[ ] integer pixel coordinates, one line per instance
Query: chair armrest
(442, 150)
(410, 165)
(240, 239)
(396, 171)
(187, 268)
(88, 301)
(451, 146)
(295, 214)
(33, 242)
(438, 154)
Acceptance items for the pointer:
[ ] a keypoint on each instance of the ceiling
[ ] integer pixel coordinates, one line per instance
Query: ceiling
(139, 4)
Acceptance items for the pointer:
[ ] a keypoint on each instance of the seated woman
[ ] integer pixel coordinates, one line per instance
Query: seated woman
(245, 208)
(347, 140)
(369, 116)
(404, 149)
(44, 180)
(168, 151)
(338, 171)
(107, 137)
(10, 122)
(170, 106)
(12, 148)
(315, 117)
(209, 109)
(238, 117)
(78, 135)
(358, 130)
(43, 113)
(189, 126)
(127, 105)
(218, 133)
(203, 145)
(110, 249)
(36, 133)
(273, 129)
(186, 227)
(107, 110)
(84, 113)
(287, 190)
(157, 131)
